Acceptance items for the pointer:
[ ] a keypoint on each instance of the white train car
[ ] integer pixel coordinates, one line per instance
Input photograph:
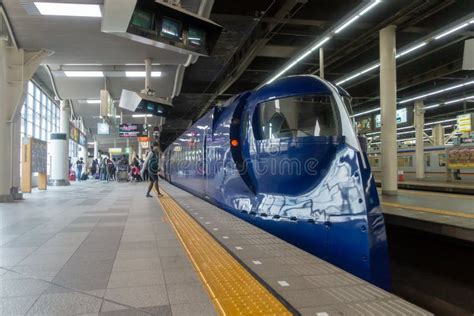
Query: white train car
(436, 162)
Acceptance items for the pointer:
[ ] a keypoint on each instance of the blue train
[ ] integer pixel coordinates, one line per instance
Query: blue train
(286, 158)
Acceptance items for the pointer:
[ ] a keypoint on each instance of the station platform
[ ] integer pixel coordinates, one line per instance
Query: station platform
(446, 214)
(104, 249)
(460, 187)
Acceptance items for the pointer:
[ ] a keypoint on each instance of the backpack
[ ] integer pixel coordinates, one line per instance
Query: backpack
(153, 166)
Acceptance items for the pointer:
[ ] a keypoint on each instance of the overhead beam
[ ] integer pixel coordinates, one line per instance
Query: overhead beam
(249, 50)
(277, 51)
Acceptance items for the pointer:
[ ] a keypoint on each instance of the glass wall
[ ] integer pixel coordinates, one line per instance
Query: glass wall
(39, 114)
(39, 117)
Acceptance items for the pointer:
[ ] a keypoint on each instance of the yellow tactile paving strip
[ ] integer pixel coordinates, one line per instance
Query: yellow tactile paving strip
(232, 289)
(429, 210)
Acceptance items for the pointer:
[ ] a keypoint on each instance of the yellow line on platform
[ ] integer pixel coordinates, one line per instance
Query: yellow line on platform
(429, 210)
(232, 289)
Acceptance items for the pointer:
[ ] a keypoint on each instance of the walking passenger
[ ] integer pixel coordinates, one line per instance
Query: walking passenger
(79, 165)
(151, 164)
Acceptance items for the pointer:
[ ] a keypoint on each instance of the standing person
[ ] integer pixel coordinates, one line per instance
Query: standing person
(110, 170)
(151, 164)
(79, 165)
(94, 167)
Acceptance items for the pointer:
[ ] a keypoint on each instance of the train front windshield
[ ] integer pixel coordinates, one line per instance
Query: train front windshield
(301, 116)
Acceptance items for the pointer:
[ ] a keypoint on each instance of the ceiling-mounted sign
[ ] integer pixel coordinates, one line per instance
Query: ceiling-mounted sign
(143, 103)
(401, 116)
(162, 25)
(103, 129)
(107, 107)
(465, 123)
(133, 130)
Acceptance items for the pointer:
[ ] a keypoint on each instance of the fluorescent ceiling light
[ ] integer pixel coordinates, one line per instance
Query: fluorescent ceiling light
(142, 115)
(327, 38)
(359, 73)
(460, 100)
(436, 92)
(69, 9)
(409, 50)
(141, 74)
(370, 7)
(347, 24)
(93, 101)
(366, 112)
(432, 106)
(84, 74)
(440, 122)
(452, 30)
(413, 46)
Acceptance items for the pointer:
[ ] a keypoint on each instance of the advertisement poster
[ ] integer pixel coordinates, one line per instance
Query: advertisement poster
(133, 130)
(461, 158)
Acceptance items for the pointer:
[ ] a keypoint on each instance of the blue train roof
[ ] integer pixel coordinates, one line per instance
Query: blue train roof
(291, 86)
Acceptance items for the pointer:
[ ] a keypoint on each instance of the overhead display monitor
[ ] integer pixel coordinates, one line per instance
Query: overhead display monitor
(196, 37)
(143, 19)
(133, 130)
(103, 129)
(171, 29)
(401, 118)
(161, 24)
(150, 107)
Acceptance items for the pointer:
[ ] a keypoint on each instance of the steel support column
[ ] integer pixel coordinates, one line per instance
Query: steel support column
(419, 119)
(388, 104)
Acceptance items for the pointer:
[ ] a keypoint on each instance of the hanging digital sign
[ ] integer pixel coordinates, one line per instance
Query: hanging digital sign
(133, 130)
(401, 116)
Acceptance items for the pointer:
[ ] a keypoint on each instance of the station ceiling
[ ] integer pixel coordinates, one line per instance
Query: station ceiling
(259, 38)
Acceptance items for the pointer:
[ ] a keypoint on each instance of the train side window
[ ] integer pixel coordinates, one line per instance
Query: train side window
(405, 161)
(309, 115)
(428, 160)
(442, 160)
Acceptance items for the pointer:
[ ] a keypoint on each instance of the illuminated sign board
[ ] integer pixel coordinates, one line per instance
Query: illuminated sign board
(103, 129)
(465, 123)
(133, 130)
(401, 118)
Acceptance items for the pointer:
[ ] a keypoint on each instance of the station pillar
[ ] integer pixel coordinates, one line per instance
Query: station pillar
(59, 164)
(16, 69)
(388, 108)
(321, 63)
(438, 135)
(96, 149)
(140, 152)
(419, 112)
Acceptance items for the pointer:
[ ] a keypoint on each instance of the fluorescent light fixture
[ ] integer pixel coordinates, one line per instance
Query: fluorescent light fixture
(414, 46)
(432, 106)
(93, 101)
(318, 45)
(141, 74)
(346, 24)
(460, 100)
(436, 92)
(409, 50)
(69, 9)
(142, 115)
(359, 73)
(454, 29)
(366, 112)
(84, 74)
(327, 38)
(440, 122)
(370, 7)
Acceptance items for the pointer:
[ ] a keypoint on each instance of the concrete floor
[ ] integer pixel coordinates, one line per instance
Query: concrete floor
(94, 249)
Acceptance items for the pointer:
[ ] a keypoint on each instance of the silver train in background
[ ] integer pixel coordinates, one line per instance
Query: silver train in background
(436, 164)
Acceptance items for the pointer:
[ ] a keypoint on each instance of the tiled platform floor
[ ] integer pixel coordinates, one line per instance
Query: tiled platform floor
(94, 249)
